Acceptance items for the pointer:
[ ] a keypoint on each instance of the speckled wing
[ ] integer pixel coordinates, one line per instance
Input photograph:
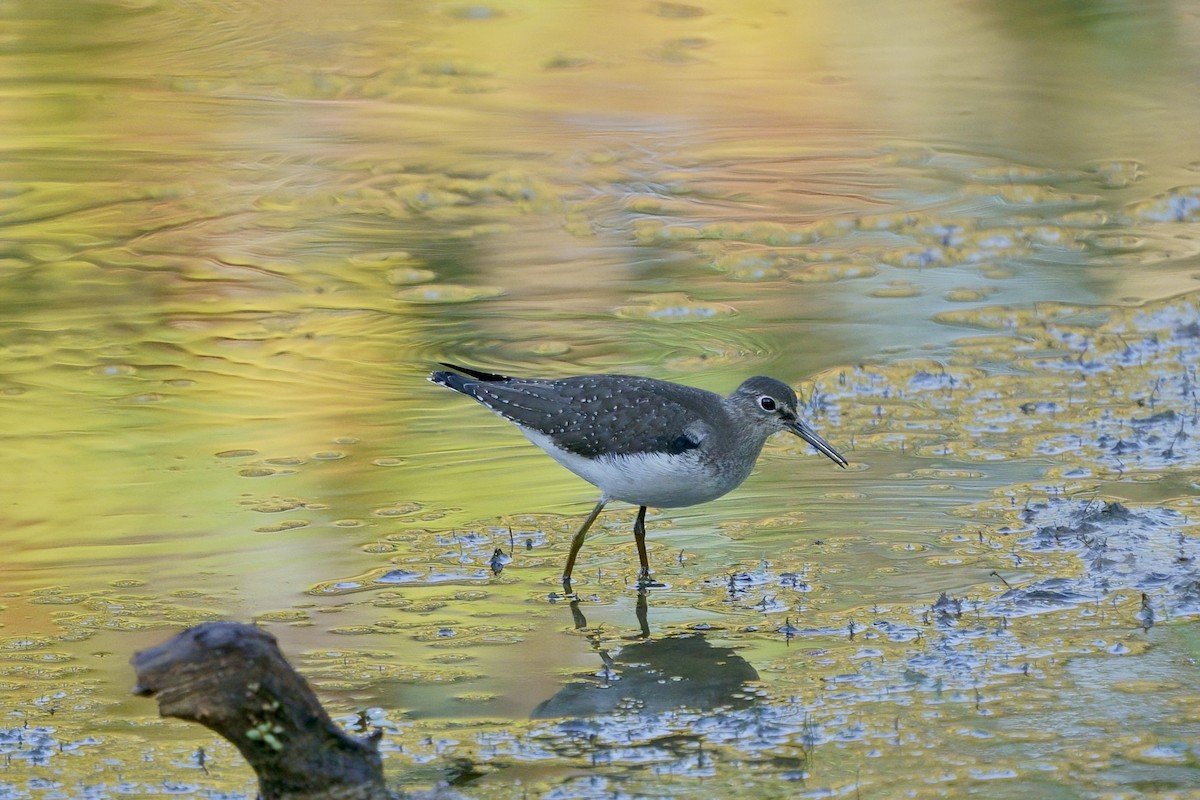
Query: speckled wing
(602, 414)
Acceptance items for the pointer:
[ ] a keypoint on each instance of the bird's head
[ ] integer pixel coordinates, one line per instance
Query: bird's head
(771, 406)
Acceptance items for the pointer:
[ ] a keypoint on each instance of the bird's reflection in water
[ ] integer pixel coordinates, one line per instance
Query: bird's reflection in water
(656, 676)
(641, 610)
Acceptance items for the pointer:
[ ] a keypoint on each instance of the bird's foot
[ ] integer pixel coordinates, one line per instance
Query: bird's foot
(646, 581)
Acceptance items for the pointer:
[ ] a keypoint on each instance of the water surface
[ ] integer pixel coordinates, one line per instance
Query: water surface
(236, 237)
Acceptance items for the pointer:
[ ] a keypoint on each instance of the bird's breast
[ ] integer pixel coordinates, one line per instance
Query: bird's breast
(660, 480)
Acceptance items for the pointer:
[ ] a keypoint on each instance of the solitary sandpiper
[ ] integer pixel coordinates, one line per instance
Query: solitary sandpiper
(640, 440)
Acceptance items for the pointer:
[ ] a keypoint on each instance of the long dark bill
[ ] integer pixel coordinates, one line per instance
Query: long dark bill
(806, 433)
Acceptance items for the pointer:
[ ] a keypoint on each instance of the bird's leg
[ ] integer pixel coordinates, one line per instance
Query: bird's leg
(577, 543)
(639, 536)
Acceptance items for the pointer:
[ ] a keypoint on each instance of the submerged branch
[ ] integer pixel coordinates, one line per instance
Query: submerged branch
(233, 679)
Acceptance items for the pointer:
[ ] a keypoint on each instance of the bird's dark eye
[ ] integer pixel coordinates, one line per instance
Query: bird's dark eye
(766, 403)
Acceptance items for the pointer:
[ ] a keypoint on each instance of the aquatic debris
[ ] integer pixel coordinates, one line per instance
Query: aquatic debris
(233, 679)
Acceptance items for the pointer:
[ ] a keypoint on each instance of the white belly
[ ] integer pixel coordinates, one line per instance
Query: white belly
(648, 479)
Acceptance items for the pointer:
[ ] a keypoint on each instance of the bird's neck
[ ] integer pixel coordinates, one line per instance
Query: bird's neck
(739, 449)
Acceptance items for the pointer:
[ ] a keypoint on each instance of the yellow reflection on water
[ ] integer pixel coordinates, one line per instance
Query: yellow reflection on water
(236, 237)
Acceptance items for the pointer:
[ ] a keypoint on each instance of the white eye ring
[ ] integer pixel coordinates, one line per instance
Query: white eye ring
(767, 403)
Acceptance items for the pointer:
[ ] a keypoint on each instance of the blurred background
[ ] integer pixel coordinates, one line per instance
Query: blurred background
(236, 236)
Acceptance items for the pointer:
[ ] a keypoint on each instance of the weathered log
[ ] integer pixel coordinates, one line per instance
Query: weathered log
(233, 679)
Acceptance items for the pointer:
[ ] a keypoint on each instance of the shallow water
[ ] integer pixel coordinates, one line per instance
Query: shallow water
(236, 239)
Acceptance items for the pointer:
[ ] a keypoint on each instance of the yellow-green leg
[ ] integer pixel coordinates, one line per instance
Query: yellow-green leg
(577, 543)
(639, 536)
